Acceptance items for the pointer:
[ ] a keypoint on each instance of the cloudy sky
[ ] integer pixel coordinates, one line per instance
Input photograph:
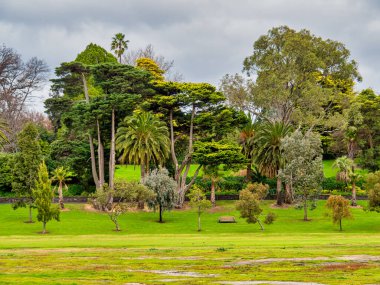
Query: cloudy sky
(205, 38)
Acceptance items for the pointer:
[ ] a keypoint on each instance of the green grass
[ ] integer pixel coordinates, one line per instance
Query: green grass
(132, 172)
(84, 249)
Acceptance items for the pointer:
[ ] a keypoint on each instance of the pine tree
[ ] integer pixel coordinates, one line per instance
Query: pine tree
(25, 168)
(43, 196)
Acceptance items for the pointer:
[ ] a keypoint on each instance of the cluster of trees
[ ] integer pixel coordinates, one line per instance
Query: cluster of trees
(294, 104)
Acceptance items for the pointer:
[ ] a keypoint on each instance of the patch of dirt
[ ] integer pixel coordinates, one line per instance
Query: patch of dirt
(357, 207)
(65, 210)
(267, 282)
(283, 206)
(164, 258)
(353, 258)
(272, 260)
(90, 208)
(360, 258)
(217, 209)
(175, 273)
(343, 266)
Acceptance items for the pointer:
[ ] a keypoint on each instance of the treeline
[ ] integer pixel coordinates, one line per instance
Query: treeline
(293, 104)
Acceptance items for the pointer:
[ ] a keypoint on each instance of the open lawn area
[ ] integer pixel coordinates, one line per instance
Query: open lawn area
(84, 249)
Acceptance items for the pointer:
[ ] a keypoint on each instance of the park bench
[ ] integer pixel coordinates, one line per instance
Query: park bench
(227, 219)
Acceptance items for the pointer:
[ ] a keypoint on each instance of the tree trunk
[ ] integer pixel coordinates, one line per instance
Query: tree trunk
(112, 161)
(353, 184)
(305, 210)
(44, 228)
(260, 224)
(186, 162)
(93, 162)
(60, 195)
(279, 199)
(30, 214)
(100, 156)
(92, 150)
(249, 172)
(161, 214)
(288, 194)
(213, 192)
(199, 220)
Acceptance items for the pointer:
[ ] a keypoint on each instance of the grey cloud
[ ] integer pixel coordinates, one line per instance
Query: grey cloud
(205, 38)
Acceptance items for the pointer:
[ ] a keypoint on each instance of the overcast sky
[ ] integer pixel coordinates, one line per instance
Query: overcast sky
(205, 38)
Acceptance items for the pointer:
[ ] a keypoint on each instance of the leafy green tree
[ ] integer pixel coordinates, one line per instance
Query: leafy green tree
(211, 155)
(303, 169)
(340, 209)
(125, 194)
(61, 175)
(368, 131)
(26, 167)
(268, 155)
(94, 54)
(43, 198)
(182, 104)
(164, 187)
(372, 185)
(199, 202)
(143, 139)
(6, 168)
(152, 67)
(249, 204)
(291, 69)
(119, 45)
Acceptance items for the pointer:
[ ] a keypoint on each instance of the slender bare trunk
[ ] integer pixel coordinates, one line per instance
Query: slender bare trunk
(212, 198)
(112, 161)
(44, 227)
(288, 194)
(305, 210)
(340, 224)
(100, 156)
(249, 172)
(353, 184)
(93, 162)
(60, 195)
(30, 214)
(92, 150)
(260, 224)
(199, 219)
(279, 199)
(161, 214)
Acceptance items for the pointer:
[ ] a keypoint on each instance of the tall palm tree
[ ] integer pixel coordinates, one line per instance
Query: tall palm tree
(61, 175)
(246, 140)
(344, 164)
(347, 174)
(141, 139)
(119, 45)
(267, 153)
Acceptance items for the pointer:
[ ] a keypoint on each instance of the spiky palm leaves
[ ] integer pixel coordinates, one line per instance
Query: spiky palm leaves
(267, 154)
(141, 139)
(119, 45)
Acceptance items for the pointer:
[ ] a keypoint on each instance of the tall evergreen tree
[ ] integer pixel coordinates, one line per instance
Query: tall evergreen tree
(43, 196)
(25, 168)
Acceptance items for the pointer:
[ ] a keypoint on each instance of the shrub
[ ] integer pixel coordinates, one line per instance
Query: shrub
(372, 185)
(340, 208)
(6, 172)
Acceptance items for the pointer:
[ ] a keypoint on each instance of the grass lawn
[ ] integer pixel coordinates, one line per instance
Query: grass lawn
(132, 173)
(84, 249)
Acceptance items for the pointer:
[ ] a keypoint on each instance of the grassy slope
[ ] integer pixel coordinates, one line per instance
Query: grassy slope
(131, 172)
(94, 253)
